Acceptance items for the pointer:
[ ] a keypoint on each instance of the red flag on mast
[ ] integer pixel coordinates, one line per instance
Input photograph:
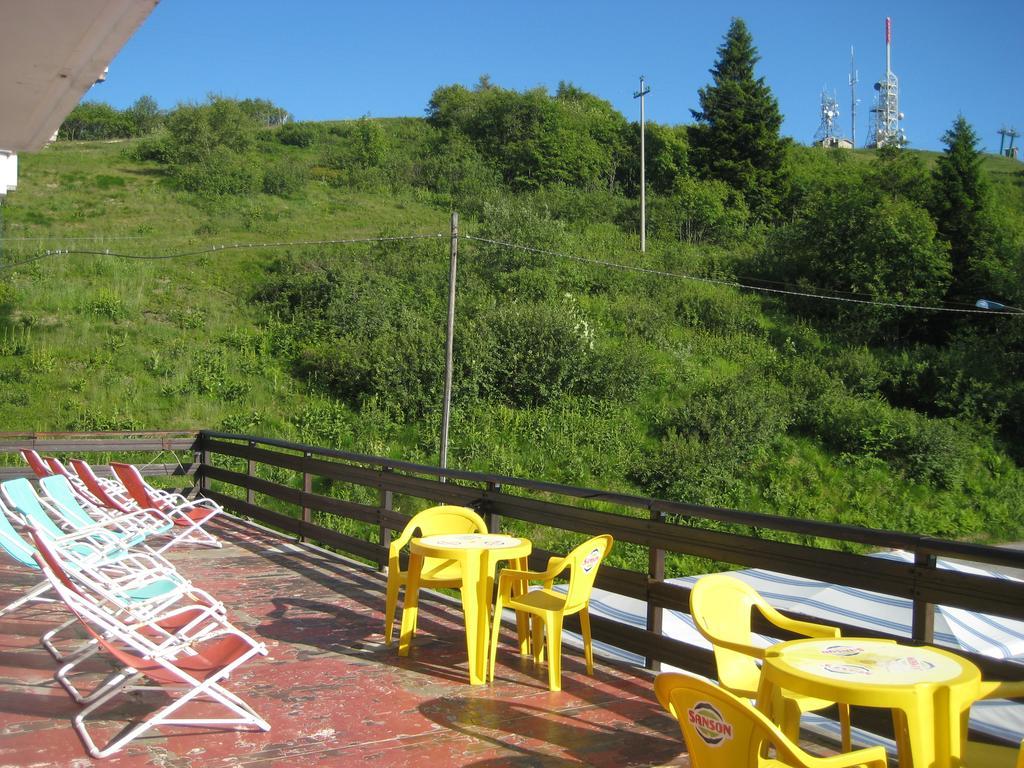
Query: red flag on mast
(888, 30)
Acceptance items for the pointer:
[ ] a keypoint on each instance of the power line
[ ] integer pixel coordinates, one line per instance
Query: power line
(49, 253)
(735, 284)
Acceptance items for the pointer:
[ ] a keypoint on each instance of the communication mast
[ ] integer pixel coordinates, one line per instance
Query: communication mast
(826, 135)
(885, 114)
(853, 100)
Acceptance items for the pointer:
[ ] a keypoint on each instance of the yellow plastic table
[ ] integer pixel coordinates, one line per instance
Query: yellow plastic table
(929, 689)
(478, 555)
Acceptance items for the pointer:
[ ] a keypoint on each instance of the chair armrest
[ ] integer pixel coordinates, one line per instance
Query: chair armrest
(1002, 689)
(806, 628)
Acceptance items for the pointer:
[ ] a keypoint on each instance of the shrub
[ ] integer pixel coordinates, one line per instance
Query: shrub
(300, 134)
(284, 178)
(222, 172)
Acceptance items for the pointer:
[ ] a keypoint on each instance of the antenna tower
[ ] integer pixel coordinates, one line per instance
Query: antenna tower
(853, 101)
(826, 135)
(885, 115)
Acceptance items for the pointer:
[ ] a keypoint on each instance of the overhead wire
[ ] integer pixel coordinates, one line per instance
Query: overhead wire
(817, 296)
(739, 285)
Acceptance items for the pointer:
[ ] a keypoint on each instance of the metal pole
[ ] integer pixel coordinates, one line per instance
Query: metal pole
(644, 90)
(449, 343)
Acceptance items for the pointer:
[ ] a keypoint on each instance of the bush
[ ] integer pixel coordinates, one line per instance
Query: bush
(284, 178)
(541, 351)
(935, 451)
(222, 172)
(300, 134)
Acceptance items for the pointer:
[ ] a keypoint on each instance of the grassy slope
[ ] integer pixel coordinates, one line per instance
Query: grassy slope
(95, 342)
(101, 341)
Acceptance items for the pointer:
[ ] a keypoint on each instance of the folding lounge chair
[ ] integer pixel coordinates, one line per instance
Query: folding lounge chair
(57, 467)
(111, 494)
(190, 515)
(62, 498)
(22, 553)
(143, 578)
(182, 618)
(198, 670)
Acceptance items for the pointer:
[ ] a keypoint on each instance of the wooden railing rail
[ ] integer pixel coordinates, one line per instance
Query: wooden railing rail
(227, 467)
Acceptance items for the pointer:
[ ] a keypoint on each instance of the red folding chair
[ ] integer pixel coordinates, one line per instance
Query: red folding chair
(195, 670)
(187, 514)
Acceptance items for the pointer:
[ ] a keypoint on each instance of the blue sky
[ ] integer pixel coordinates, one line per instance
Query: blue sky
(331, 60)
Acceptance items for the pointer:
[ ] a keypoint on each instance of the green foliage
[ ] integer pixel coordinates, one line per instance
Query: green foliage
(301, 134)
(700, 211)
(93, 120)
(736, 137)
(145, 116)
(532, 138)
(961, 209)
(863, 245)
(707, 444)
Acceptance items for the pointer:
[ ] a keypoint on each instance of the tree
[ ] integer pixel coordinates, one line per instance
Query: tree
(144, 115)
(960, 206)
(736, 138)
(93, 120)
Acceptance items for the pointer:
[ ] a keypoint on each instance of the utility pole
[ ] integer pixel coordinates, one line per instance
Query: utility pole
(449, 344)
(644, 90)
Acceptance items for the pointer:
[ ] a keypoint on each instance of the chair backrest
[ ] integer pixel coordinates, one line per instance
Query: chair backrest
(35, 461)
(11, 541)
(60, 491)
(722, 730)
(95, 487)
(584, 562)
(135, 485)
(444, 519)
(721, 607)
(57, 467)
(22, 497)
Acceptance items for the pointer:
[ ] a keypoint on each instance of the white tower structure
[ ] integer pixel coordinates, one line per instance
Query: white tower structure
(826, 135)
(885, 115)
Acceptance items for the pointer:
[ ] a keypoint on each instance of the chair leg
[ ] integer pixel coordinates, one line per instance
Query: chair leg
(495, 631)
(588, 649)
(537, 630)
(554, 629)
(32, 594)
(390, 607)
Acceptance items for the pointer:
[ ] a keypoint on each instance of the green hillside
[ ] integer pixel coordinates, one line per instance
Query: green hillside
(578, 360)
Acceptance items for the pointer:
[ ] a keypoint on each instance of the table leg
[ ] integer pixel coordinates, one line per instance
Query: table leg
(924, 735)
(410, 604)
(474, 608)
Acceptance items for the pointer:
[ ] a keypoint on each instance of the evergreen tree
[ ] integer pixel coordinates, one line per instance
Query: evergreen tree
(736, 138)
(960, 206)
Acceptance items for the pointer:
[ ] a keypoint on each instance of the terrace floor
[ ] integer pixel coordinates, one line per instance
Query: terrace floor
(332, 691)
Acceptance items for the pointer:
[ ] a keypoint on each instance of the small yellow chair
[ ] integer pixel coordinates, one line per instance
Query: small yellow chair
(978, 755)
(722, 730)
(436, 573)
(721, 607)
(552, 606)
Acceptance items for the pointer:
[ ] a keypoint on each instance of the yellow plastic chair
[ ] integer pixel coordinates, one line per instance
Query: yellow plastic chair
(979, 755)
(721, 606)
(722, 730)
(436, 572)
(551, 606)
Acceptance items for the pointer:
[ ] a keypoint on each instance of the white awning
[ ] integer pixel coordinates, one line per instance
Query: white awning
(51, 52)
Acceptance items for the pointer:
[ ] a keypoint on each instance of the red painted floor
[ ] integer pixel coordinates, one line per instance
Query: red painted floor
(332, 691)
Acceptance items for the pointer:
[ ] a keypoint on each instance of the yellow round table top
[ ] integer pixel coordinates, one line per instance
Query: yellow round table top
(470, 541)
(867, 662)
